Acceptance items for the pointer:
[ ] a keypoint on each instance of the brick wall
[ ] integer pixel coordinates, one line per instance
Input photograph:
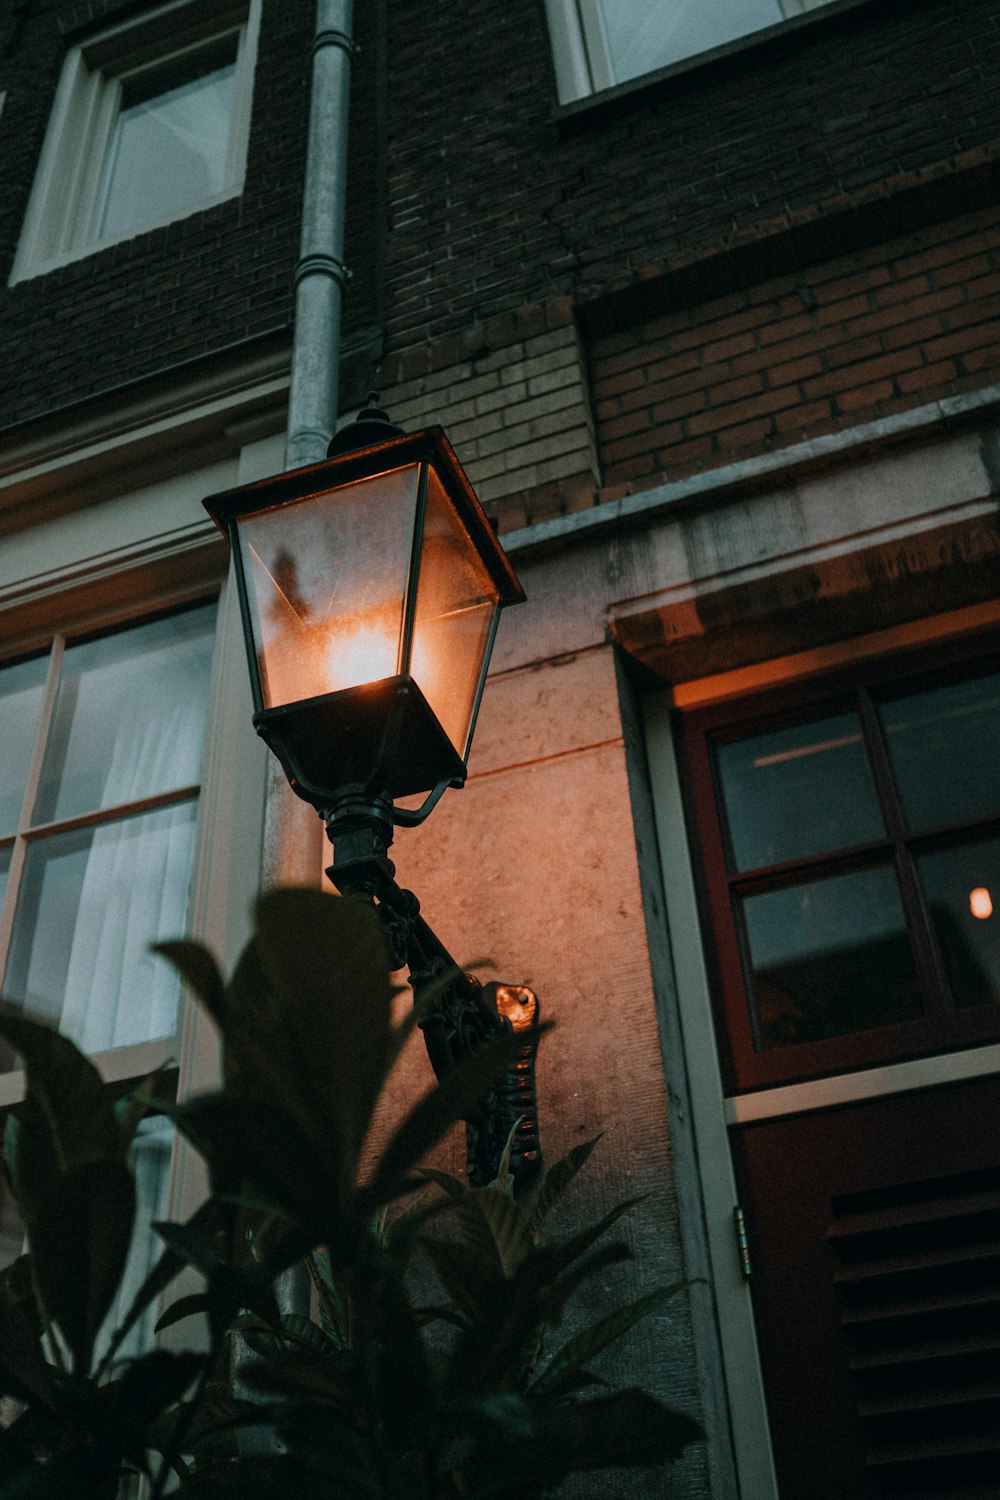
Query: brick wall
(843, 342)
(207, 282)
(496, 203)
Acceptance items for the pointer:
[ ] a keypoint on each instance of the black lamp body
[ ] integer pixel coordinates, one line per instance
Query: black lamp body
(371, 586)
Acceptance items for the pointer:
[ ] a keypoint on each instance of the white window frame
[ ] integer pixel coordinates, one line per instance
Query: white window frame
(582, 57)
(60, 214)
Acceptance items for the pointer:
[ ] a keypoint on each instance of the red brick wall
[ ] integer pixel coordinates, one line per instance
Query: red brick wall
(844, 342)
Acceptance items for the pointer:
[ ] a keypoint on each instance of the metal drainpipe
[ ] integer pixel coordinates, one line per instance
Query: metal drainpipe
(312, 404)
(320, 274)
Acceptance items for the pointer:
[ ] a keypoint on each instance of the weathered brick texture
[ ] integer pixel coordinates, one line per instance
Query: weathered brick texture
(203, 284)
(516, 408)
(843, 342)
(493, 207)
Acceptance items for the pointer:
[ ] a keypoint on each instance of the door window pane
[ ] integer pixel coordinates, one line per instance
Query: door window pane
(798, 791)
(829, 957)
(962, 889)
(21, 690)
(944, 745)
(129, 718)
(90, 903)
(170, 143)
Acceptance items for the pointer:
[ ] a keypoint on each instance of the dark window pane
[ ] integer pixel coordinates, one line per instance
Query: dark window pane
(962, 889)
(799, 791)
(90, 903)
(5, 855)
(944, 745)
(830, 957)
(130, 716)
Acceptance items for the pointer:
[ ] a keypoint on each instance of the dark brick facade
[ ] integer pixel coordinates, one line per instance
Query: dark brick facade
(697, 210)
(498, 201)
(196, 287)
(846, 341)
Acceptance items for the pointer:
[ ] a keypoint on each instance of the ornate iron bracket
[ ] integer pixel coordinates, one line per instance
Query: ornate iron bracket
(464, 1013)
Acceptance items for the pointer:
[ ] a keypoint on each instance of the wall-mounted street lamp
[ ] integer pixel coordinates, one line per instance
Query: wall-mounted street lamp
(371, 587)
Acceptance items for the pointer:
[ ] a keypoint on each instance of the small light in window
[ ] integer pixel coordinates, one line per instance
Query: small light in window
(981, 903)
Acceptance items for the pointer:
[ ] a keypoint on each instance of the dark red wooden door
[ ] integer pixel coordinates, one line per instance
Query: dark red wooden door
(875, 1239)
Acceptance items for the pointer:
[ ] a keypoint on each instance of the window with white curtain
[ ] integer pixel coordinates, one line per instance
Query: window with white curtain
(599, 43)
(101, 744)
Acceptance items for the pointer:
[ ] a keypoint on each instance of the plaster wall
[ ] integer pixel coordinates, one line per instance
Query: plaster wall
(533, 865)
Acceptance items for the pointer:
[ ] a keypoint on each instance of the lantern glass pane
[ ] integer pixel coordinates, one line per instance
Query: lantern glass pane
(456, 602)
(326, 581)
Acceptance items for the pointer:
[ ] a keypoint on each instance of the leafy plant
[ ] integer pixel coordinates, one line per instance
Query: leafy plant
(434, 1369)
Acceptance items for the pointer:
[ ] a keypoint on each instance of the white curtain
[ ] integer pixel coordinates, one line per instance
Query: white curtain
(135, 887)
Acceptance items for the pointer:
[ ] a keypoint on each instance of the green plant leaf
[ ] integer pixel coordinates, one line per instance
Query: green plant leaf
(327, 960)
(150, 1385)
(67, 1118)
(80, 1235)
(247, 1140)
(184, 1307)
(453, 1186)
(198, 969)
(625, 1428)
(558, 1376)
(558, 1178)
(455, 1095)
(497, 1228)
(267, 1477)
(24, 1373)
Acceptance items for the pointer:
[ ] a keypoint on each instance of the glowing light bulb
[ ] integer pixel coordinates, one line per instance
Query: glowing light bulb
(363, 654)
(981, 903)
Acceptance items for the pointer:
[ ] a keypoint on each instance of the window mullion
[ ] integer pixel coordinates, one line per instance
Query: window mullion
(28, 801)
(118, 812)
(930, 969)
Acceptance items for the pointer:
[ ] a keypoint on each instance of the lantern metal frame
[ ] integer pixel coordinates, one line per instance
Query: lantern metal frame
(391, 744)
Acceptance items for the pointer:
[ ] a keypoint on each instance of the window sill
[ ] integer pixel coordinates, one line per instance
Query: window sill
(120, 1065)
(44, 267)
(577, 113)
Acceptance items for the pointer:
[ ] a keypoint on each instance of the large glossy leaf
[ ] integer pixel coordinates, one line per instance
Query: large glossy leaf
(80, 1235)
(455, 1095)
(151, 1385)
(623, 1429)
(24, 1373)
(497, 1228)
(197, 968)
(560, 1374)
(327, 960)
(67, 1118)
(254, 1140)
(558, 1178)
(270, 1477)
(168, 1266)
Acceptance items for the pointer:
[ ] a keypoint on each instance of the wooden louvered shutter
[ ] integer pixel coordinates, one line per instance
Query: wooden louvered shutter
(875, 1235)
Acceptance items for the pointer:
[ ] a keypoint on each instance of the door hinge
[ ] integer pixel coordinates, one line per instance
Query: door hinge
(742, 1243)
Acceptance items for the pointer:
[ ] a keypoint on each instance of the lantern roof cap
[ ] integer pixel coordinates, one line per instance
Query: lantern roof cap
(371, 425)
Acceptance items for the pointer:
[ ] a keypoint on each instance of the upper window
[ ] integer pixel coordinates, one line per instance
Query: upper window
(852, 860)
(598, 43)
(150, 123)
